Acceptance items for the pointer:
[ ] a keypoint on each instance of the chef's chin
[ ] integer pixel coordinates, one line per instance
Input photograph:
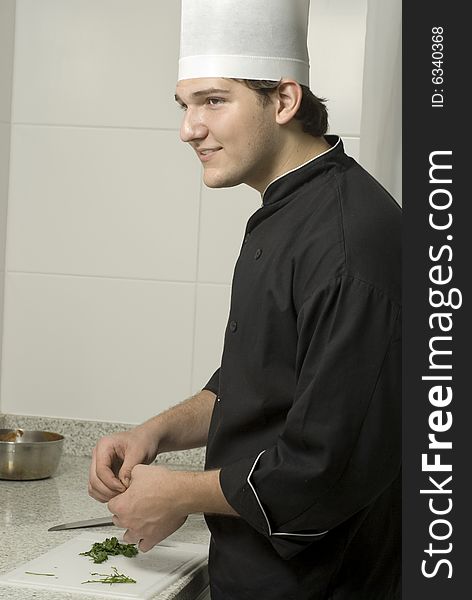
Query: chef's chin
(218, 180)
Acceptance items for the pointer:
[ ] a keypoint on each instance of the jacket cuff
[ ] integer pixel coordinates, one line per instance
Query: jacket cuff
(239, 490)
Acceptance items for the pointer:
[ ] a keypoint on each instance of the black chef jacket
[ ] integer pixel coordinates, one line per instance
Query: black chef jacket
(307, 423)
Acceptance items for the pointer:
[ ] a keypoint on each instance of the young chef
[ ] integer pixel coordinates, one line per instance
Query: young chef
(302, 420)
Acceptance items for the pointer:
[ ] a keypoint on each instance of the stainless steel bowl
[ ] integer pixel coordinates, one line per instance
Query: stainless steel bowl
(26, 455)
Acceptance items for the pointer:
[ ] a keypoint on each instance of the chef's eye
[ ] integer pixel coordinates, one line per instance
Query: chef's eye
(215, 101)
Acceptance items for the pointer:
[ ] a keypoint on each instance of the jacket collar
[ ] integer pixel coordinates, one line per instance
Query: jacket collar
(288, 182)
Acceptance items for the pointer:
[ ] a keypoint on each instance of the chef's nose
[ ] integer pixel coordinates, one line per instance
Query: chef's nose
(192, 127)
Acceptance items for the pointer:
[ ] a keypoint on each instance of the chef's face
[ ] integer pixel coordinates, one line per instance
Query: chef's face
(235, 136)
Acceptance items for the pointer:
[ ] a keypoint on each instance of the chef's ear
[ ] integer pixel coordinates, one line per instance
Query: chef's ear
(288, 98)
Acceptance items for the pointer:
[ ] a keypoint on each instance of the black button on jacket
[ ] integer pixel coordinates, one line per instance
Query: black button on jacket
(307, 430)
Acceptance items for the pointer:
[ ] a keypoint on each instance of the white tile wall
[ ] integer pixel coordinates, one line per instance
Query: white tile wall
(119, 261)
(96, 348)
(102, 201)
(212, 312)
(7, 35)
(351, 146)
(4, 162)
(2, 288)
(4, 169)
(336, 45)
(97, 62)
(222, 224)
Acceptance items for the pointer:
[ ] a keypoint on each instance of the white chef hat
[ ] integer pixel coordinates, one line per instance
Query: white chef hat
(244, 39)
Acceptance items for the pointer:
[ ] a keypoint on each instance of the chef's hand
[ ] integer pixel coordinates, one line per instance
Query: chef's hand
(152, 508)
(114, 457)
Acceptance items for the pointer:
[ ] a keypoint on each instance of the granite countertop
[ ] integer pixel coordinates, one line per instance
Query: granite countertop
(29, 508)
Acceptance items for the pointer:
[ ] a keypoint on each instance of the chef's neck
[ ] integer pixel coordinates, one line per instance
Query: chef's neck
(297, 150)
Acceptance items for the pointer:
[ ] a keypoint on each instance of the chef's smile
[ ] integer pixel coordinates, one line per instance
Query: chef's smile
(206, 154)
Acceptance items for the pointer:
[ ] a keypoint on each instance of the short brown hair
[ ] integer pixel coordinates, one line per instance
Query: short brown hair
(312, 113)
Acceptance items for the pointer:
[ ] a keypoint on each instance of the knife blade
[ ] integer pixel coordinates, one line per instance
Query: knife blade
(102, 521)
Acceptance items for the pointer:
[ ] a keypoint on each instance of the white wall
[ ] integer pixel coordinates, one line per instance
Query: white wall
(381, 126)
(7, 31)
(119, 261)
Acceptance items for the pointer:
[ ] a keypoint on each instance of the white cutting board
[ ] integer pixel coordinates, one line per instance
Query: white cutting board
(153, 571)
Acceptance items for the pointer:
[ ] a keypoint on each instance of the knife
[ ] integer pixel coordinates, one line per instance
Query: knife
(101, 522)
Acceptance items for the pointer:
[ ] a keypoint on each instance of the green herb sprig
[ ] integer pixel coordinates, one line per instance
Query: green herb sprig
(115, 577)
(100, 551)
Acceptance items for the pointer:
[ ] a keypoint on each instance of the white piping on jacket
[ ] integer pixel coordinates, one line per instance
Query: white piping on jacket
(299, 167)
(263, 511)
